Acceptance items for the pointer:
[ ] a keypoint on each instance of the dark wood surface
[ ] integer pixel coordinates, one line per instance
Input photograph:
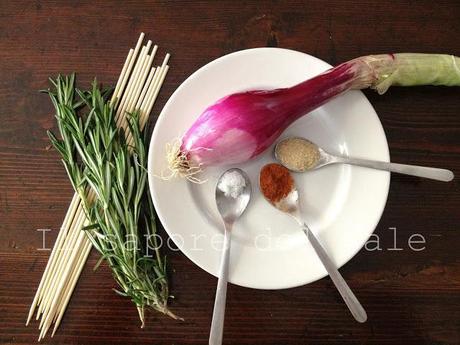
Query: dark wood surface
(411, 297)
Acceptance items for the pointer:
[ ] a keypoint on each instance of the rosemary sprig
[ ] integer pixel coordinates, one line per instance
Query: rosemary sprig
(99, 161)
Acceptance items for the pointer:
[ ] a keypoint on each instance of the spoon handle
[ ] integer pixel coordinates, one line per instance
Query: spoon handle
(218, 315)
(406, 169)
(348, 296)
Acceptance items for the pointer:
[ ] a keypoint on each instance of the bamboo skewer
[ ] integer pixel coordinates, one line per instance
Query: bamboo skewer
(140, 82)
(52, 309)
(124, 75)
(61, 261)
(156, 92)
(67, 246)
(148, 82)
(123, 71)
(65, 262)
(71, 286)
(50, 264)
(137, 88)
(132, 81)
(146, 104)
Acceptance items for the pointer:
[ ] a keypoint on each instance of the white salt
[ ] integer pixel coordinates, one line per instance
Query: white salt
(232, 184)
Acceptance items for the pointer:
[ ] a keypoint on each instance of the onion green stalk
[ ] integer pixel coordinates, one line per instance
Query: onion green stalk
(407, 69)
(101, 163)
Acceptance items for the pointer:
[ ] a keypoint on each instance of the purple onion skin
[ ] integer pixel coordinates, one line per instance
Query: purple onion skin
(240, 126)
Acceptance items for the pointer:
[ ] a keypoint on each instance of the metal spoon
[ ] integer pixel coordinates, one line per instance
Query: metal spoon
(324, 158)
(231, 203)
(290, 205)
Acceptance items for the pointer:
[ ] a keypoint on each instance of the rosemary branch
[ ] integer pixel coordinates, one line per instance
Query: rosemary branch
(99, 160)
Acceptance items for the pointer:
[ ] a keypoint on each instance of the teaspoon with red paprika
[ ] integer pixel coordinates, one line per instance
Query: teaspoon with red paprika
(278, 188)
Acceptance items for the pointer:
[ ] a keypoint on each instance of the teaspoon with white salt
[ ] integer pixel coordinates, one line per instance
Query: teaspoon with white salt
(300, 155)
(233, 192)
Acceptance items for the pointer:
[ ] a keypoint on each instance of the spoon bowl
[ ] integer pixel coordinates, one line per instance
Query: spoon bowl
(322, 157)
(231, 202)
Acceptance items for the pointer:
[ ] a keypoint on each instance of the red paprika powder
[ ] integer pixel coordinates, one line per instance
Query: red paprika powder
(275, 182)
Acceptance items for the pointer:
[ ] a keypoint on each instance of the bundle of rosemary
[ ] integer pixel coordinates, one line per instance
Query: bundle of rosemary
(110, 177)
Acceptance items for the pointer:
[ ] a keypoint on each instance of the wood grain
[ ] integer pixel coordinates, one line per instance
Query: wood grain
(411, 297)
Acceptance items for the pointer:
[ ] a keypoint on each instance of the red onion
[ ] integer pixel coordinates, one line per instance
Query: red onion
(240, 126)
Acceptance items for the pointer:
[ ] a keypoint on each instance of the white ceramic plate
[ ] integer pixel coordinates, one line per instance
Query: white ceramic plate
(342, 204)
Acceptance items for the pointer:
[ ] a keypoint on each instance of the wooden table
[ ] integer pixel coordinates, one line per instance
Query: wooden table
(412, 297)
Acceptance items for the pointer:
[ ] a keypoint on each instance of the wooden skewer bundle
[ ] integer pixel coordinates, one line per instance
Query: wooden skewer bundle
(136, 88)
